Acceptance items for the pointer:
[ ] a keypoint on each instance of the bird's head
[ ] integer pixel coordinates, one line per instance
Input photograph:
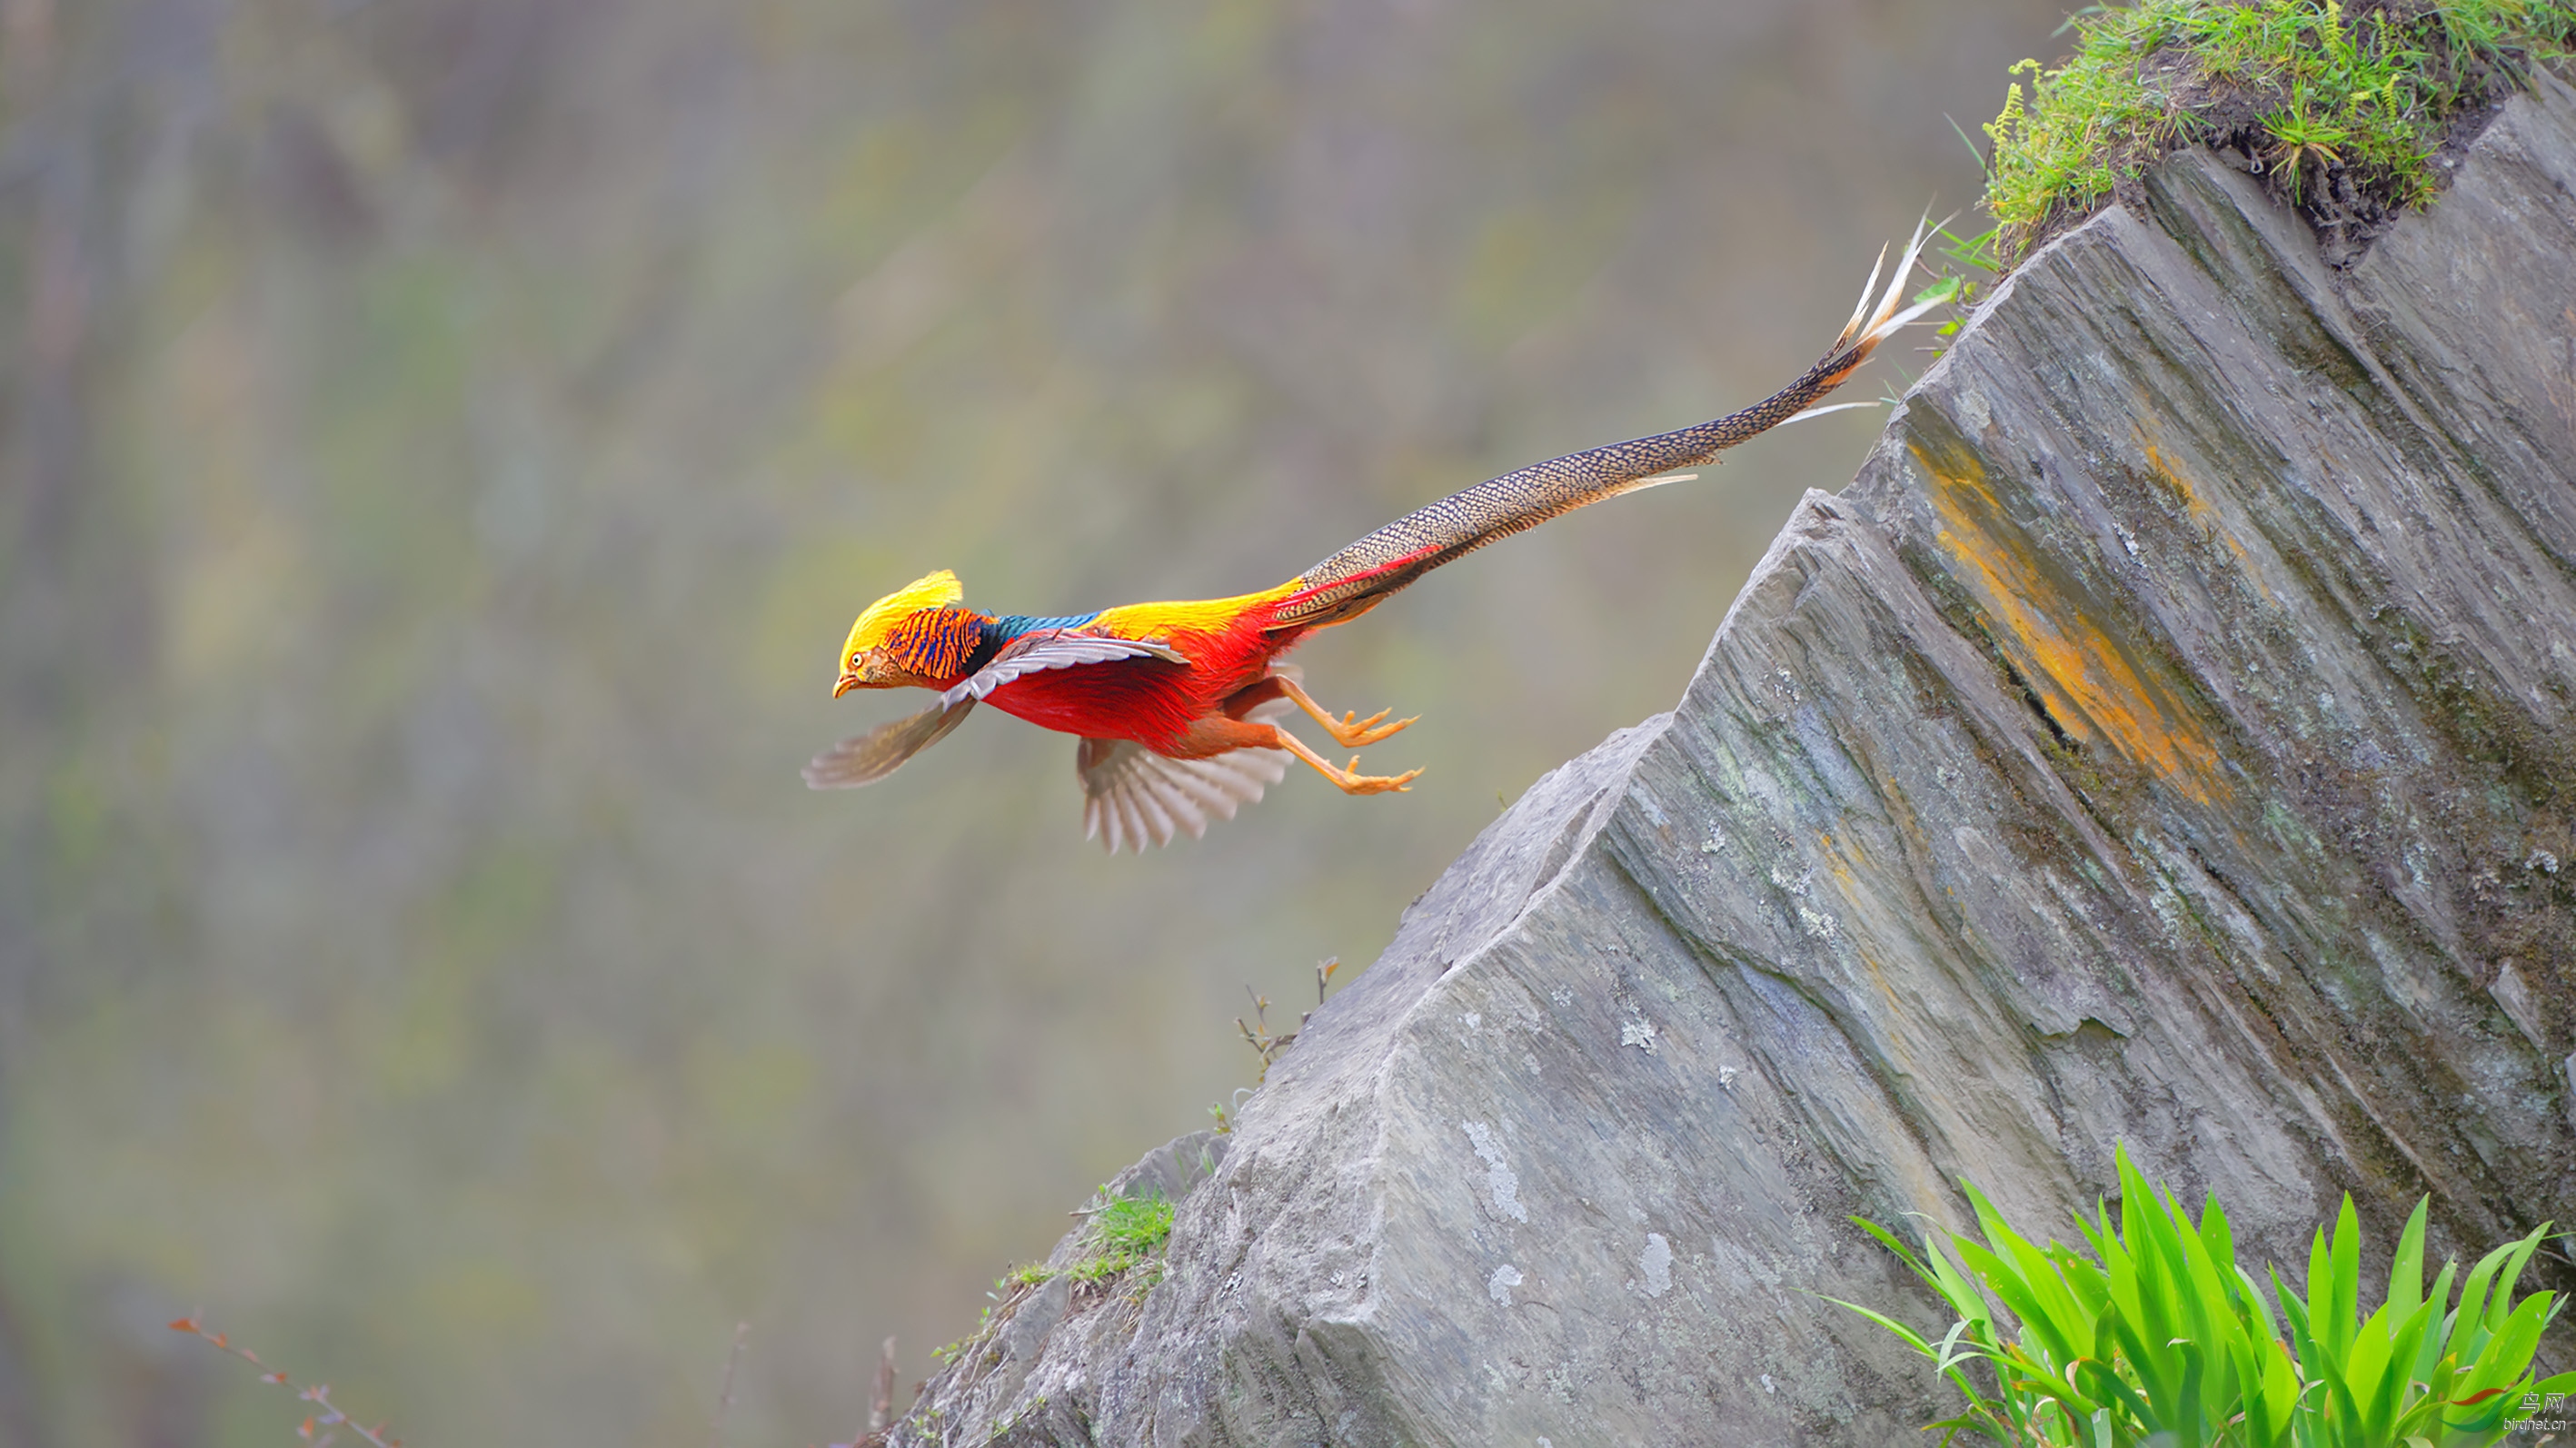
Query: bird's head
(866, 661)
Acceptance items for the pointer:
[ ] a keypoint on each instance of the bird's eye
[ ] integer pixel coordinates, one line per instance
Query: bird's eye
(854, 661)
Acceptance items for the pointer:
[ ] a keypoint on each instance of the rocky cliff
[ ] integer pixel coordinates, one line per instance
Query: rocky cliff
(2169, 738)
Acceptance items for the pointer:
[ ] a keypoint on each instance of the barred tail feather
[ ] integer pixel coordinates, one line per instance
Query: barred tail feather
(1858, 341)
(1353, 580)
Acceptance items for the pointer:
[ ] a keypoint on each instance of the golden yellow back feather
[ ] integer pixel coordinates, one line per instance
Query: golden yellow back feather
(1199, 616)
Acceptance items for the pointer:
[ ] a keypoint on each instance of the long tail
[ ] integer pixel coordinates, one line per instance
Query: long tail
(1353, 580)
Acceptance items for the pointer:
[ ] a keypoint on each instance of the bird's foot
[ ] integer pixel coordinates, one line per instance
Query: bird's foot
(1353, 732)
(1350, 731)
(1347, 779)
(1354, 782)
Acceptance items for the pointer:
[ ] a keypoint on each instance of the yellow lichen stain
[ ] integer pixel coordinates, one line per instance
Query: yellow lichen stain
(1851, 901)
(1897, 1044)
(2202, 515)
(2092, 690)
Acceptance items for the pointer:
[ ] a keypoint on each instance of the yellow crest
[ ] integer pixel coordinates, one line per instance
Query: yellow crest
(935, 590)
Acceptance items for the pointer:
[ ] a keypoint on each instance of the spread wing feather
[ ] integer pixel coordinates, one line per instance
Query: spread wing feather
(867, 758)
(1053, 649)
(1133, 796)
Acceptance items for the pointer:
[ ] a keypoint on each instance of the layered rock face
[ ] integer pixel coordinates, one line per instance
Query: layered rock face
(2169, 738)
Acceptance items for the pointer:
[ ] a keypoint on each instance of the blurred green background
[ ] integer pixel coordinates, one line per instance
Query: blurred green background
(445, 441)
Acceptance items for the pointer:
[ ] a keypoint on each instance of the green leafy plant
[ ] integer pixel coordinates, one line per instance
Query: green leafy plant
(2152, 1334)
(2291, 83)
(2301, 138)
(1124, 1233)
(1122, 1242)
(1969, 266)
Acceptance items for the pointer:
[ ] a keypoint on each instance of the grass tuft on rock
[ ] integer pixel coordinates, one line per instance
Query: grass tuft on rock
(1124, 1234)
(2343, 110)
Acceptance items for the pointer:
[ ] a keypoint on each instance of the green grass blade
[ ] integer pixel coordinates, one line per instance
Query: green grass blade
(2257, 1309)
(2045, 1320)
(1907, 1335)
(2517, 1256)
(2437, 1335)
(2343, 1282)
(2387, 1397)
(2316, 1313)
(2406, 1271)
(2508, 1354)
(1894, 1244)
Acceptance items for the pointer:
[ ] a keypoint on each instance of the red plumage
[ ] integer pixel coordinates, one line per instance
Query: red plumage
(1154, 702)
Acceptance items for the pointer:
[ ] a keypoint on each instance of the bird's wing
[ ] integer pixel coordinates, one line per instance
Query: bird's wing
(1053, 649)
(1131, 795)
(867, 758)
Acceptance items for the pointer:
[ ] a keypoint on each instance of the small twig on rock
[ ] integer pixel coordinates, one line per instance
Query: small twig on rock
(1258, 1035)
(1323, 975)
(881, 1406)
(319, 1394)
(724, 1394)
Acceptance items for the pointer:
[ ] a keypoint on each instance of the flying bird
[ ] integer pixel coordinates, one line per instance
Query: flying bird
(1178, 705)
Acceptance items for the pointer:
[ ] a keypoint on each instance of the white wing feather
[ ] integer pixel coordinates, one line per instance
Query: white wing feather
(1133, 796)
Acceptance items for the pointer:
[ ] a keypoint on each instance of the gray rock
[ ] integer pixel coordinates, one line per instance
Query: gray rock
(2159, 742)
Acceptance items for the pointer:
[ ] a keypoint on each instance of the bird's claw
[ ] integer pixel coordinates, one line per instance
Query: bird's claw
(1353, 732)
(1354, 782)
(1347, 778)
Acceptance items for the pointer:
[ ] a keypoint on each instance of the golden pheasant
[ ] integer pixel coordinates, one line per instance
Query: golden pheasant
(1177, 704)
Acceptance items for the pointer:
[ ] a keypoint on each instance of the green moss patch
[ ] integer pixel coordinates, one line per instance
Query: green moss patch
(2344, 111)
(1125, 1234)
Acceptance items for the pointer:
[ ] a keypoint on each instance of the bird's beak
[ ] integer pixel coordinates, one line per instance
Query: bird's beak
(844, 684)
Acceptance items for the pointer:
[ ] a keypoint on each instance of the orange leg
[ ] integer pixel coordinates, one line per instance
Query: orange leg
(1255, 694)
(1219, 733)
(1350, 731)
(1348, 781)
